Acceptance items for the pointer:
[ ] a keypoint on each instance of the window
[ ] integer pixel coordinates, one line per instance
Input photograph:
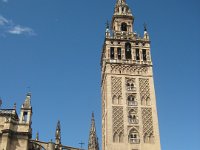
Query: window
(144, 54)
(119, 53)
(123, 26)
(128, 51)
(25, 116)
(131, 101)
(130, 86)
(134, 137)
(137, 54)
(132, 118)
(112, 53)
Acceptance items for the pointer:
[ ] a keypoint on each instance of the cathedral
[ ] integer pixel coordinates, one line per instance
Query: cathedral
(129, 112)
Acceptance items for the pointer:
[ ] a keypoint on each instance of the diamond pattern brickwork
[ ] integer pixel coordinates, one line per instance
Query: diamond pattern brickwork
(144, 91)
(118, 120)
(147, 121)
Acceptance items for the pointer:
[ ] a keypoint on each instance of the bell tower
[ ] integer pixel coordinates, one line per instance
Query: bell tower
(129, 113)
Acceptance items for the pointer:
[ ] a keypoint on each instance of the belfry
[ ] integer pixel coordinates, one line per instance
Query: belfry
(129, 113)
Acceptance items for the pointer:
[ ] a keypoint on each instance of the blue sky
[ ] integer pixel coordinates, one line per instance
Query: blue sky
(54, 46)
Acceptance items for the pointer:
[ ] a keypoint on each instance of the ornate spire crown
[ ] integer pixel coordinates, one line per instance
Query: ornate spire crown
(93, 140)
(121, 8)
(58, 133)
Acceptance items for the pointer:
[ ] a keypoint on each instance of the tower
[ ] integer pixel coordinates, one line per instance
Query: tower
(93, 140)
(129, 113)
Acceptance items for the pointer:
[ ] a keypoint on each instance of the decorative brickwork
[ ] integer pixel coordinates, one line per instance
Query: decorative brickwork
(118, 123)
(147, 120)
(144, 92)
(128, 69)
(116, 83)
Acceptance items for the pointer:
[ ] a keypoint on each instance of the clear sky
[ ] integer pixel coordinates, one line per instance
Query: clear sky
(54, 46)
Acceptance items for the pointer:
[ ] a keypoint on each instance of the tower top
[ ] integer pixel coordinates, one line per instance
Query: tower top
(122, 9)
(27, 102)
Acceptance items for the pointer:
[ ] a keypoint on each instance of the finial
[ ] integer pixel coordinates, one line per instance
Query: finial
(92, 115)
(145, 27)
(37, 136)
(28, 91)
(15, 106)
(107, 25)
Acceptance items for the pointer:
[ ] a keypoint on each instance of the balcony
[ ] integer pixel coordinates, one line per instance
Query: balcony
(133, 121)
(134, 141)
(132, 103)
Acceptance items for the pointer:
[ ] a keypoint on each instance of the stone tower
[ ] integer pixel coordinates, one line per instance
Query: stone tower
(15, 131)
(129, 113)
(93, 140)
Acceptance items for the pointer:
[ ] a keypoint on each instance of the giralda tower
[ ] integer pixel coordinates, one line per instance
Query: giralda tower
(129, 113)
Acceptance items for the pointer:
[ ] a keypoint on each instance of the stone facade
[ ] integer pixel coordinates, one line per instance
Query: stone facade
(129, 114)
(16, 131)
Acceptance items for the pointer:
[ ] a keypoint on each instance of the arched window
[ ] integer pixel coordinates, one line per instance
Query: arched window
(131, 101)
(146, 138)
(151, 138)
(134, 137)
(130, 85)
(123, 26)
(121, 137)
(115, 100)
(148, 103)
(120, 100)
(132, 118)
(115, 138)
(128, 51)
(112, 53)
(144, 55)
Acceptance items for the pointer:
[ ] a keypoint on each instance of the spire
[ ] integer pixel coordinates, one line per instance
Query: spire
(58, 133)
(27, 102)
(146, 35)
(93, 140)
(37, 136)
(107, 29)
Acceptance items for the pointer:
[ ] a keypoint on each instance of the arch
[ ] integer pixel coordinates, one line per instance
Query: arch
(121, 137)
(134, 136)
(130, 85)
(142, 101)
(131, 101)
(146, 138)
(114, 100)
(128, 54)
(151, 138)
(123, 26)
(148, 101)
(132, 117)
(115, 138)
(120, 100)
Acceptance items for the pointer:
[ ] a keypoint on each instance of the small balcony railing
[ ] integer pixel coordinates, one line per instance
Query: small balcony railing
(133, 121)
(132, 103)
(134, 141)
